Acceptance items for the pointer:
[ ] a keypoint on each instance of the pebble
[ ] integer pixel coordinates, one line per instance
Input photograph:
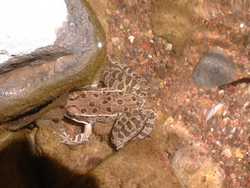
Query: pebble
(131, 39)
(213, 70)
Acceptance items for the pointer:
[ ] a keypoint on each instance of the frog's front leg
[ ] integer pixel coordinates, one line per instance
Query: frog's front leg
(79, 138)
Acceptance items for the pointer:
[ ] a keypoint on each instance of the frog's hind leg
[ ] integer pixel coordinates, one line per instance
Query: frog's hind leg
(125, 128)
(79, 138)
(149, 124)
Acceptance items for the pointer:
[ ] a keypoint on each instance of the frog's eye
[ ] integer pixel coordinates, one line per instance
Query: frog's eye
(73, 96)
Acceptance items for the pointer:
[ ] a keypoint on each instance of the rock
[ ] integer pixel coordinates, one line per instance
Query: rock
(100, 8)
(31, 29)
(172, 20)
(34, 80)
(189, 158)
(213, 70)
(139, 164)
(195, 169)
(15, 160)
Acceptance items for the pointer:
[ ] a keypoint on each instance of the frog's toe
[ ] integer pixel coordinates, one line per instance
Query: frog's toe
(79, 138)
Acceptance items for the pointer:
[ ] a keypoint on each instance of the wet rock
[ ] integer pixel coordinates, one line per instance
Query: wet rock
(137, 165)
(172, 20)
(31, 29)
(195, 169)
(189, 158)
(35, 79)
(213, 70)
(101, 8)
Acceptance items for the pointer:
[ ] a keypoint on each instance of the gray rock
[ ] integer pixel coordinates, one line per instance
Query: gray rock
(213, 70)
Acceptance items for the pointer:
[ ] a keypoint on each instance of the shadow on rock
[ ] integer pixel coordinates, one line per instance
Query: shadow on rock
(20, 167)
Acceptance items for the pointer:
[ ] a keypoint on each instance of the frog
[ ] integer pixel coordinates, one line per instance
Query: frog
(119, 98)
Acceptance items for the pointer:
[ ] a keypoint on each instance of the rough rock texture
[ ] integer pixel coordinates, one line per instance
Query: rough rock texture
(195, 169)
(162, 160)
(190, 159)
(47, 73)
(138, 165)
(213, 70)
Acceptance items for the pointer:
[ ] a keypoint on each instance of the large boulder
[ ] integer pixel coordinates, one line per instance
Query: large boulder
(28, 81)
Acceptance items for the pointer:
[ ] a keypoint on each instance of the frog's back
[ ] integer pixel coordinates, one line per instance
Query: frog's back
(100, 103)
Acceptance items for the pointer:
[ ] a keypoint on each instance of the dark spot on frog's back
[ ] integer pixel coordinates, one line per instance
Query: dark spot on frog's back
(94, 110)
(119, 101)
(83, 110)
(104, 102)
(109, 109)
(125, 109)
(91, 104)
(83, 95)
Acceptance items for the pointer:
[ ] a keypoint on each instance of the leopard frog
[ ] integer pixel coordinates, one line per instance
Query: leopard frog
(121, 101)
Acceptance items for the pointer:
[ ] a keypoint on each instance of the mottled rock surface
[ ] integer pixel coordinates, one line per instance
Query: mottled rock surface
(195, 169)
(140, 164)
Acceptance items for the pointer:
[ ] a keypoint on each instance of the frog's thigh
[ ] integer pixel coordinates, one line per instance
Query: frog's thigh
(125, 128)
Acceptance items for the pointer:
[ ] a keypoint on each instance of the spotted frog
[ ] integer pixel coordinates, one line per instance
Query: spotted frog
(121, 101)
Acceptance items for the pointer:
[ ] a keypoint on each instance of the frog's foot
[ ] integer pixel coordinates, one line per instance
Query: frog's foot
(79, 138)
